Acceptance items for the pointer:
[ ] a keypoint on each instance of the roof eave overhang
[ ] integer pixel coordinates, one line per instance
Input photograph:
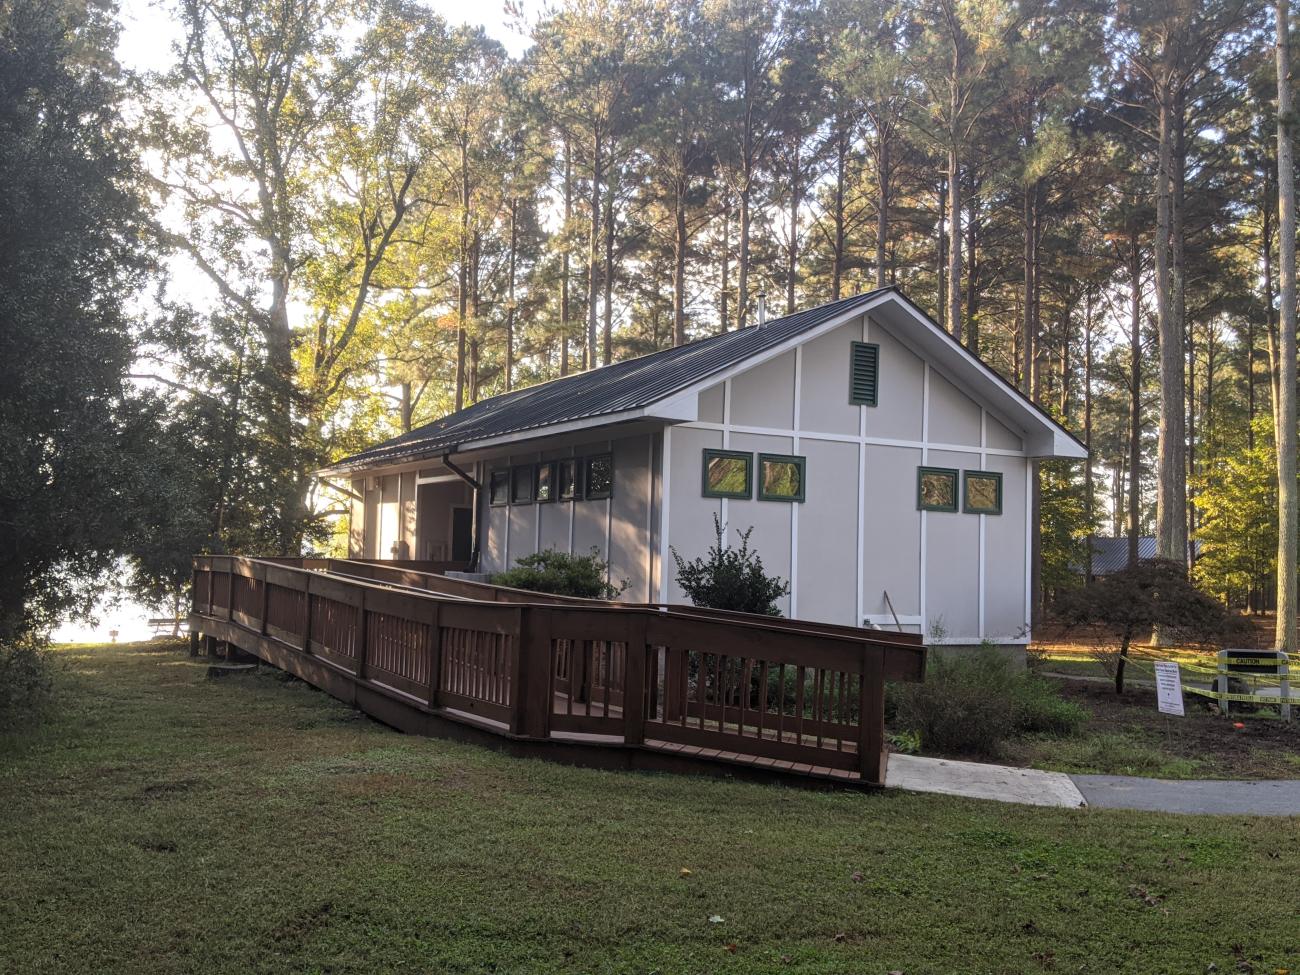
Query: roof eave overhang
(667, 411)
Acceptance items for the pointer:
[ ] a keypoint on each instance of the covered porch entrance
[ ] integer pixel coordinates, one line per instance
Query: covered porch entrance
(425, 515)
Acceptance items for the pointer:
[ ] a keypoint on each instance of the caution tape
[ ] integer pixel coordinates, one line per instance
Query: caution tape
(1252, 662)
(1241, 698)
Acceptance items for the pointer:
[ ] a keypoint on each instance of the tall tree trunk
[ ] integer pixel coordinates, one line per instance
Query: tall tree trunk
(564, 259)
(593, 258)
(792, 264)
(1135, 398)
(954, 243)
(837, 242)
(972, 271)
(1178, 309)
(742, 261)
(1089, 502)
(462, 279)
(882, 211)
(510, 295)
(680, 242)
(1285, 636)
(1171, 482)
(725, 270)
(607, 327)
(1028, 328)
(941, 258)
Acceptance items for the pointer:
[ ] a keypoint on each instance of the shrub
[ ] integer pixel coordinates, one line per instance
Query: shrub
(561, 574)
(25, 684)
(970, 703)
(1040, 709)
(730, 578)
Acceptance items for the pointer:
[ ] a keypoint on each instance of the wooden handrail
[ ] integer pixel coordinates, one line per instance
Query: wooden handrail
(635, 671)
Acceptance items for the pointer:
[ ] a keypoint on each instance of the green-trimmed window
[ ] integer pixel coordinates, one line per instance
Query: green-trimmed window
(936, 489)
(545, 481)
(864, 373)
(600, 477)
(981, 492)
(521, 484)
(499, 488)
(781, 477)
(728, 474)
(568, 488)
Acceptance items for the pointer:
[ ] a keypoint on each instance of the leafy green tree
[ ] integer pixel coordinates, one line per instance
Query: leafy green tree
(1237, 504)
(72, 433)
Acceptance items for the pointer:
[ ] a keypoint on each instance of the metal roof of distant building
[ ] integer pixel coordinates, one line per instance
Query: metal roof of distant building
(620, 386)
(1111, 554)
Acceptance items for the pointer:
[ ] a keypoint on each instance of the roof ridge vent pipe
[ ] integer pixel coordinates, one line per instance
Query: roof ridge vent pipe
(762, 308)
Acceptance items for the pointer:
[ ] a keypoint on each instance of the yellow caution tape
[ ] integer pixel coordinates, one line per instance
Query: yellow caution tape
(1245, 698)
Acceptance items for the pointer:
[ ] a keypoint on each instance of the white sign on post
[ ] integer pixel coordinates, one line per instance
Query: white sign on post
(1169, 688)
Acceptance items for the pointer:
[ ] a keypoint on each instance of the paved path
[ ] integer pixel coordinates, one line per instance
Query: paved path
(976, 780)
(1032, 787)
(1271, 798)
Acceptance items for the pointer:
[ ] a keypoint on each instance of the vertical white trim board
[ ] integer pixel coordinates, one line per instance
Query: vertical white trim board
(794, 507)
(667, 493)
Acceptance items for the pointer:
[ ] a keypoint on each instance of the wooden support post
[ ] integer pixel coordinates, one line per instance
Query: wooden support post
(210, 645)
(634, 684)
(211, 583)
(194, 643)
(530, 711)
(230, 588)
(871, 716)
(306, 626)
(363, 633)
(260, 572)
(435, 656)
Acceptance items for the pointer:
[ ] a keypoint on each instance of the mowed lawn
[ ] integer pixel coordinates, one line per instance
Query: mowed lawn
(162, 822)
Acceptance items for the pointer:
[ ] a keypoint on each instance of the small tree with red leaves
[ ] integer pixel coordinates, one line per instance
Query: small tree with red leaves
(1151, 593)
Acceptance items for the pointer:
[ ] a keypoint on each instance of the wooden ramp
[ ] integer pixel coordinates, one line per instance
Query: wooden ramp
(586, 681)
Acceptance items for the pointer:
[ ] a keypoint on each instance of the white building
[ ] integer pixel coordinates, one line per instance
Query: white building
(884, 468)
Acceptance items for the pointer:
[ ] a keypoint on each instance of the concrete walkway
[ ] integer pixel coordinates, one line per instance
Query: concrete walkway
(1268, 798)
(976, 780)
(1032, 787)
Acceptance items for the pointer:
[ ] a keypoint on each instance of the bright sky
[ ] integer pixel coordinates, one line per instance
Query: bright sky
(148, 29)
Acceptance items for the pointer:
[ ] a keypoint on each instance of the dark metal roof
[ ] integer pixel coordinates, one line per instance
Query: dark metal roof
(627, 385)
(1111, 554)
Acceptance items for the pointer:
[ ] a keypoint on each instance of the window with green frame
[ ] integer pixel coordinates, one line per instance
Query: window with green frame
(568, 488)
(864, 374)
(981, 492)
(545, 489)
(499, 488)
(600, 477)
(936, 488)
(521, 484)
(781, 477)
(728, 474)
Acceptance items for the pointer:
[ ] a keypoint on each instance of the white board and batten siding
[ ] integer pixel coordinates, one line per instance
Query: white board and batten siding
(620, 528)
(860, 533)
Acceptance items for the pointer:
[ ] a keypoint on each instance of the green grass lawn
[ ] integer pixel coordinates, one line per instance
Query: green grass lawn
(161, 822)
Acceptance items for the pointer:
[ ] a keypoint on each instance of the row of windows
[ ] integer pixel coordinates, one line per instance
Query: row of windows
(936, 490)
(730, 474)
(570, 479)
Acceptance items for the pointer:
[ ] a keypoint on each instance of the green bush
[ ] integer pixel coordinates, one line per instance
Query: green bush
(561, 574)
(970, 703)
(730, 578)
(25, 683)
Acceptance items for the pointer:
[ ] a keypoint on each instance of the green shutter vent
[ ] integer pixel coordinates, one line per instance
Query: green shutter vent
(864, 380)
